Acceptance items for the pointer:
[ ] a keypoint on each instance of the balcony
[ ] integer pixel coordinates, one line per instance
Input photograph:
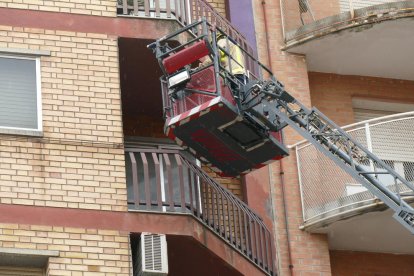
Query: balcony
(352, 37)
(167, 181)
(182, 11)
(334, 204)
(329, 194)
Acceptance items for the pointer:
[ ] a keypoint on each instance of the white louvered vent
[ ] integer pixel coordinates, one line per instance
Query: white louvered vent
(152, 255)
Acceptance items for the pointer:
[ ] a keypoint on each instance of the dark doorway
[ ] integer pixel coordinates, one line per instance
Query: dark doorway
(140, 88)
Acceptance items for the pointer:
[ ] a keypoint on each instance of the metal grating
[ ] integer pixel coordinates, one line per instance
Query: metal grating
(327, 190)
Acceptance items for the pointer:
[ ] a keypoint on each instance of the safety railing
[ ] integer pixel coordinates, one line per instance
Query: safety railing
(184, 11)
(168, 181)
(303, 18)
(328, 192)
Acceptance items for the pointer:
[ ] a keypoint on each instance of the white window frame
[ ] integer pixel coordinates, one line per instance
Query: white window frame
(28, 131)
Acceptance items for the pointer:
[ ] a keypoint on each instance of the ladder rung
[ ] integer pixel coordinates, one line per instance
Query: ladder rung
(374, 173)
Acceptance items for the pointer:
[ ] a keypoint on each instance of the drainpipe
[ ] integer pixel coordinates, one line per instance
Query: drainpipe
(284, 202)
(281, 167)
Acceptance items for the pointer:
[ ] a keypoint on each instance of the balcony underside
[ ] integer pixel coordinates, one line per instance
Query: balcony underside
(179, 227)
(376, 42)
(375, 231)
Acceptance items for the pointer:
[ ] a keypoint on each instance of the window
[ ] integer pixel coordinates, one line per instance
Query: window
(20, 97)
(366, 109)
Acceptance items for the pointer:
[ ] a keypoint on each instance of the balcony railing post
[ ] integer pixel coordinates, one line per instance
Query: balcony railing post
(198, 196)
(351, 8)
(190, 190)
(135, 184)
(300, 181)
(170, 180)
(369, 145)
(125, 6)
(181, 181)
(168, 8)
(157, 179)
(146, 181)
(204, 199)
(241, 235)
(147, 7)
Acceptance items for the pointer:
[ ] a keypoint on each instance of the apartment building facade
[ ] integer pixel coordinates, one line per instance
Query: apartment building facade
(85, 167)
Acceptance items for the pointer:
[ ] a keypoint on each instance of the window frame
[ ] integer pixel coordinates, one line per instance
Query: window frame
(28, 131)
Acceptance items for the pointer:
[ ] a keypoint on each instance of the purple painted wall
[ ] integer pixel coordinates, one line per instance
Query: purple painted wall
(241, 16)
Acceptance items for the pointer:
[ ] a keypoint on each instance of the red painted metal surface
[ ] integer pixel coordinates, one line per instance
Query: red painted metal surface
(186, 56)
(197, 121)
(204, 81)
(113, 26)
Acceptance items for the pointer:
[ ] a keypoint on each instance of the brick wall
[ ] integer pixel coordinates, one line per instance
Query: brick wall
(219, 5)
(348, 263)
(81, 251)
(309, 253)
(88, 7)
(232, 184)
(323, 8)
(332, 93)
(320, 9)
(78, 162)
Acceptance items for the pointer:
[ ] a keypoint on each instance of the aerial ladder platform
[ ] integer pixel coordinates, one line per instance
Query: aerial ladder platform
(234, 126)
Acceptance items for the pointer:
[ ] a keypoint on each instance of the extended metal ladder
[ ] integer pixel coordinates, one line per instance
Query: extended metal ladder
(270, 103)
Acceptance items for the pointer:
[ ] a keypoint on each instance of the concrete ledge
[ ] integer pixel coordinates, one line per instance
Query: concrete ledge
(130, 222)
(328, 25)
(28, 52)
(25, 257)
(374, 205)
(23, 132)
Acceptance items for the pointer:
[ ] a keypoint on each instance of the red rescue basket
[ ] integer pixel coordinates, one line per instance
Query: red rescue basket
(202, 114)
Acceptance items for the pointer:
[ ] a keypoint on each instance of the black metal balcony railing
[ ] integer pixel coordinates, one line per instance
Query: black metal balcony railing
(184, 11)
(169, 182)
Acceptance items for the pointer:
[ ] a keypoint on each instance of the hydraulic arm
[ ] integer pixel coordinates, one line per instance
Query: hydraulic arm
(240, 136)
(269, 102)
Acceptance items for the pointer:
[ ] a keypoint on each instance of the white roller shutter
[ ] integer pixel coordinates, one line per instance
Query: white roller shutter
(366, 109)
(368, 114)
(18, 93)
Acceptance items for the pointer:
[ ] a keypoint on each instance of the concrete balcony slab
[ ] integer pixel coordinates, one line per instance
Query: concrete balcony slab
(376, 42)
